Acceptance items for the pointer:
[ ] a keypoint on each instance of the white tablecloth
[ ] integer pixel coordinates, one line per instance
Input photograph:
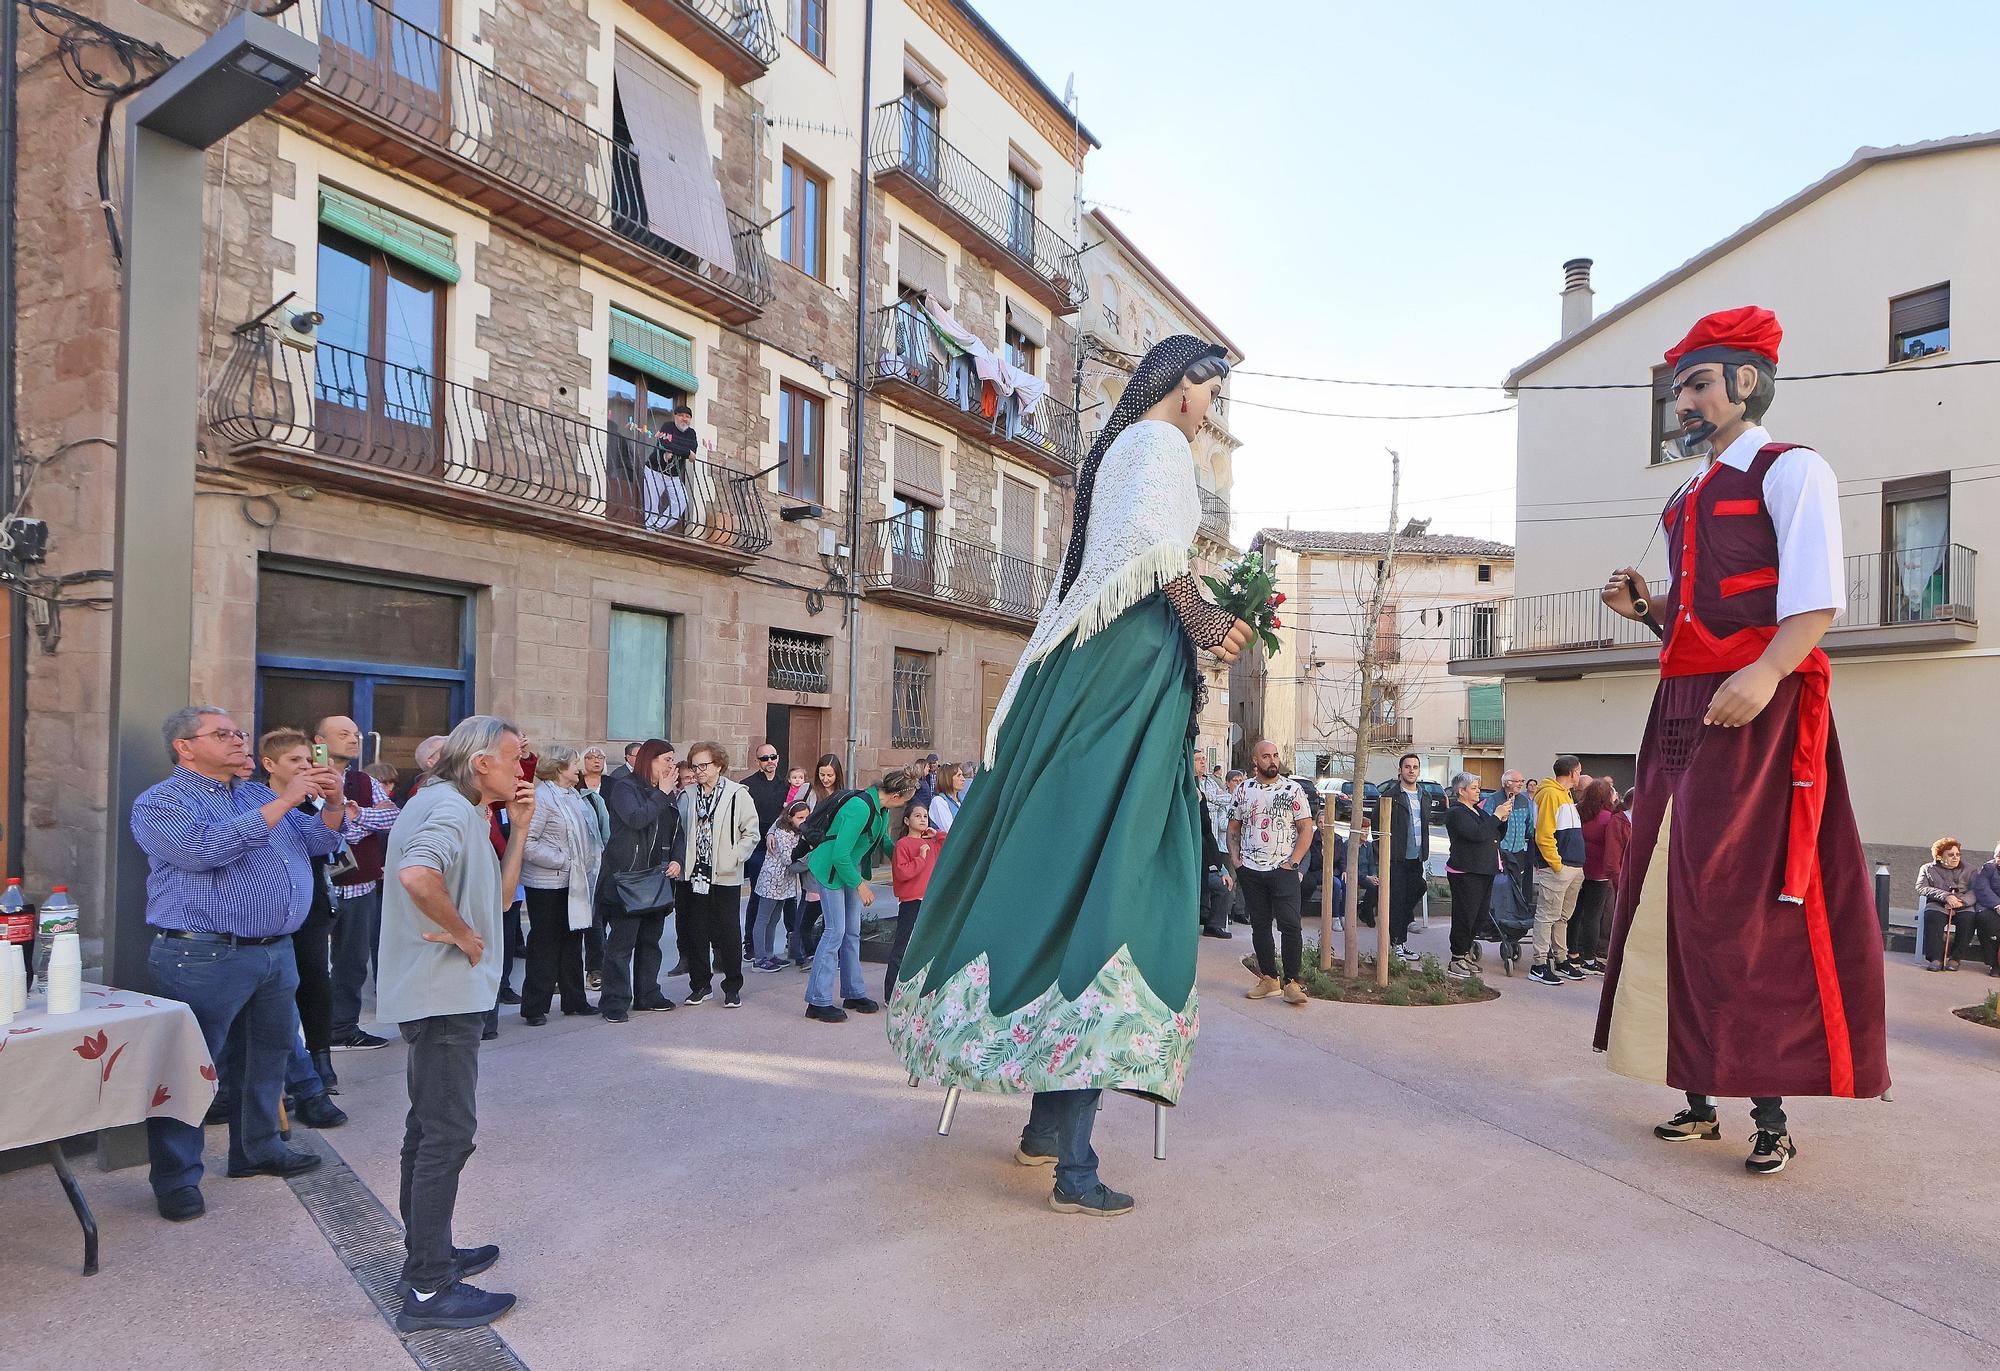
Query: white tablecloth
(122, 1058)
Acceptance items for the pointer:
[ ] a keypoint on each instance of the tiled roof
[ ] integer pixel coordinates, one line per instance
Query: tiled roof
(1420, 545)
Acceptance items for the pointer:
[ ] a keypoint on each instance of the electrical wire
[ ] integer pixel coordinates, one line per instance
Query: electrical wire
(1898, 368)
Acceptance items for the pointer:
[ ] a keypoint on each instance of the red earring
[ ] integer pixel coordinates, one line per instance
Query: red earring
(1184, 402)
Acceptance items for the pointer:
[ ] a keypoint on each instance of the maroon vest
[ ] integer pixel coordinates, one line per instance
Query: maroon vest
(1724, 549)
(370, 850)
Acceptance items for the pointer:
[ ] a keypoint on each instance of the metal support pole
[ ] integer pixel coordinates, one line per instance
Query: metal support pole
(152, 612)
(950, 1110)
(858, 428)
(1159, 1132)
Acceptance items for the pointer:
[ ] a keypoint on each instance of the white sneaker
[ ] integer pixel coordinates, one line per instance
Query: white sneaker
(1407, 955)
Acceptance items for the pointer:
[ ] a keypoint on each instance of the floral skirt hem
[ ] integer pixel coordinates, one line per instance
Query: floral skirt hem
(1116, 1035)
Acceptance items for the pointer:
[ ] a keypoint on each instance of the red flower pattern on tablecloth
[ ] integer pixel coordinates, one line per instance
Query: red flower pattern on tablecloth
(161, 1095)
(93, 1047)
(208, 1073)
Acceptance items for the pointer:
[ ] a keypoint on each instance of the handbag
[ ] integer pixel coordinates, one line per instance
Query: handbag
(645, 888)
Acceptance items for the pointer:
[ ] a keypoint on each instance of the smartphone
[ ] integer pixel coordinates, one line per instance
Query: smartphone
(320, 757)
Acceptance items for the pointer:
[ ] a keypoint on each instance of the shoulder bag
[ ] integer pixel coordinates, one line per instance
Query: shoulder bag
(645, 888)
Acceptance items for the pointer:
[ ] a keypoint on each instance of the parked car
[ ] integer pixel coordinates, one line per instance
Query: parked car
(1343, 801)
(1313, 796)
(1439, 800)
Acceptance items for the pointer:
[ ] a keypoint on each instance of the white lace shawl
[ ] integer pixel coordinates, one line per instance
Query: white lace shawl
(1142, 522)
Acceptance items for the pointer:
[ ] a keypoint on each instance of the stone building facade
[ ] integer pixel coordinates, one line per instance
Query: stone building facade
(528, 228)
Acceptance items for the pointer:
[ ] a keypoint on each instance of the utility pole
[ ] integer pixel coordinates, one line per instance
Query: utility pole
(857, 408)
(1364, 743)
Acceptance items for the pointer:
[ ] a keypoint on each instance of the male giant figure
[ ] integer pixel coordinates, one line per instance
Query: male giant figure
(1745, 959)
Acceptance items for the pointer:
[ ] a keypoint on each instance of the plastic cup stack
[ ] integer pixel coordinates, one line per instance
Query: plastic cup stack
(13, 983)
(65, 975)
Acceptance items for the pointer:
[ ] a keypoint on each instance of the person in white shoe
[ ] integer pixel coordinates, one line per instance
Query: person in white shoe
(1270, 832)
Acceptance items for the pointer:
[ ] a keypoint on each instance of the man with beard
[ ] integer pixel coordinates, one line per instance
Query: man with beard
(1745, 959)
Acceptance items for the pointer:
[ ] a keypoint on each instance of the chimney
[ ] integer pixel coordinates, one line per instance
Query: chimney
(1577, 294)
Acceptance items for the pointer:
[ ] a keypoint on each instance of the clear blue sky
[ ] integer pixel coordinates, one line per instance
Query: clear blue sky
(1388, 191)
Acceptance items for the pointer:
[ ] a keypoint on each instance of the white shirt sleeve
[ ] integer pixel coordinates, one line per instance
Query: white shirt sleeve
(1804, 501)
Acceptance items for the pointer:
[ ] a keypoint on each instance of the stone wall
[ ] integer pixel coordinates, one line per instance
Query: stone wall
(530, 338)
(544, 45)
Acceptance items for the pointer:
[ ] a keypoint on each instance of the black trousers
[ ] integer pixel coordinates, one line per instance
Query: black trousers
(1408, 886)
(1273, 897)
(632, 962)
(1215, 902)
(310, 946)
(1470, 894)
(708, 924)
(906, 923)
(1768, 1111)
(1590, 925)
(555, 956)
(1967, 921)
(442, 1072)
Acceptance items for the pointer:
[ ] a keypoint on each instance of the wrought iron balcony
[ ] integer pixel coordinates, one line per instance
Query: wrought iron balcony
(736, 37)
(798, 661)
(402, 94)
(1214, 517)
(1482, 732)
(910, 562)
(909, 360)
(345, 419)
(1903, 601)
(945, 186)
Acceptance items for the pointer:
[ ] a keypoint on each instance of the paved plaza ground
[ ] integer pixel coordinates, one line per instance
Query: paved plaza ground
(1345, 1186)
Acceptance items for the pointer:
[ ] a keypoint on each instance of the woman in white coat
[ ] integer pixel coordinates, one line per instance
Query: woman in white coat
(559, 869)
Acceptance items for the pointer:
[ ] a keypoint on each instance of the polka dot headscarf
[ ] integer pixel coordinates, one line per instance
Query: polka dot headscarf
(1153, 380)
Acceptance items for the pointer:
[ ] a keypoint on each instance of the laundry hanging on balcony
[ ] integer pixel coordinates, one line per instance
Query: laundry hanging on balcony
(995, 372)
(683, 199)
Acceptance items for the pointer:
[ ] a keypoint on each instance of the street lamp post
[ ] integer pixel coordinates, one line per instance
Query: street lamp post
(237, 74)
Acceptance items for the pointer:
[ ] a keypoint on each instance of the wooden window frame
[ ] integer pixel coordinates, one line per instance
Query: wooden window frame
(1897, 357)
(1022, 352)
(803, 9)
(797, 405)
(795, 171)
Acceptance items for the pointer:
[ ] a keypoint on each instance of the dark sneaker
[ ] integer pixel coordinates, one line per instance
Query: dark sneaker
(589, 1010)
(470, 1261)
(218, 1112)
(826, 1013)
(318, 1112)
(509, 995)
(665, 1006)
(285, 1164)
(1407, 955)
(489, 1033)
(593, 980)
(861, 1004)
(535, 1020)
(1769, 1152)
(1027, 1158)
(696, 997)
(1100, 1201)
(178, 1206)
(357, 1041)
(732, 999)
(1687, 1126)
(1216, 933)
(615, 1017)
(458, 1305)
(1571, 971)
(1541, 973)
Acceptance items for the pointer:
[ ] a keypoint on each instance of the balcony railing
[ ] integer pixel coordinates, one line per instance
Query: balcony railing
(450, 119)
(735, 36)
(379, 426)
(1482, 732)
(1214, 516)
(1016, 241)
(907, 352)
(908, 560)
(1907, 599)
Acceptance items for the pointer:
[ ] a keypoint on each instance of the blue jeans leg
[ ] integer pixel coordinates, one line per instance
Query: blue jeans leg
(357, 926)
(1059, 1124)
(839, 948)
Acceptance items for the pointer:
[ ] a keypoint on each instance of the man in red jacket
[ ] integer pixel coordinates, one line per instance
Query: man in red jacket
(1741, 965)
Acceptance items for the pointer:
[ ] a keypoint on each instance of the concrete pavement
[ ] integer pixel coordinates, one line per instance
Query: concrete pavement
(1345, 1185)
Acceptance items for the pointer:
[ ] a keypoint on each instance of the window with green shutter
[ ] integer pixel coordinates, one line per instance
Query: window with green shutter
(418, 245)
(639, 693)
(661, 353)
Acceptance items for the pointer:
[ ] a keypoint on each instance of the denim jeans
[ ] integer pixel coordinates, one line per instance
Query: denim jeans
(302, 1078)
(839, 946)
(1059, 1124)
(765, 943)
(224, 985)
(443, 1078)
(357, 928)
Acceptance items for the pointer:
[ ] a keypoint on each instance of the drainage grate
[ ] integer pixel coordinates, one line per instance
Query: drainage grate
(367, 1238)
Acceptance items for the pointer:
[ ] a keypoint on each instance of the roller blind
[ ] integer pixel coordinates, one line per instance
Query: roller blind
(404, 239)
(919, 467)
(683, 198)
(1027, 325)
(661, 353)
(1921, 310)
(922, 267)
(1019, 508)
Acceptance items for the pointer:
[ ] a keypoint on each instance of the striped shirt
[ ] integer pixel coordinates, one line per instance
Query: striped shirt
(1520, 820)
(217, 867)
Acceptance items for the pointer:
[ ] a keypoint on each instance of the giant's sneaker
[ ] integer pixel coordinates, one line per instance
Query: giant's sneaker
(1687, 1126)
(1769, 1152)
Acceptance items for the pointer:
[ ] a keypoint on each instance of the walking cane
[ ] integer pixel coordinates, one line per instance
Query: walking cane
(1950, 927)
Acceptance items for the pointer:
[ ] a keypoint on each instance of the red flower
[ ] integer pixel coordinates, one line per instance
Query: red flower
(92, 1047)
(161, 1095)
(1276, 622)
(1279, 598)
(208, 1073)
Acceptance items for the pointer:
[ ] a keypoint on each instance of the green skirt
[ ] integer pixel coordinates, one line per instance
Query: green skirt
(1056, 947)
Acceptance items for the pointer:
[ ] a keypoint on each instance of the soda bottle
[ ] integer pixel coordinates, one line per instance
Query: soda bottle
(58, 915)
(17, 922)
